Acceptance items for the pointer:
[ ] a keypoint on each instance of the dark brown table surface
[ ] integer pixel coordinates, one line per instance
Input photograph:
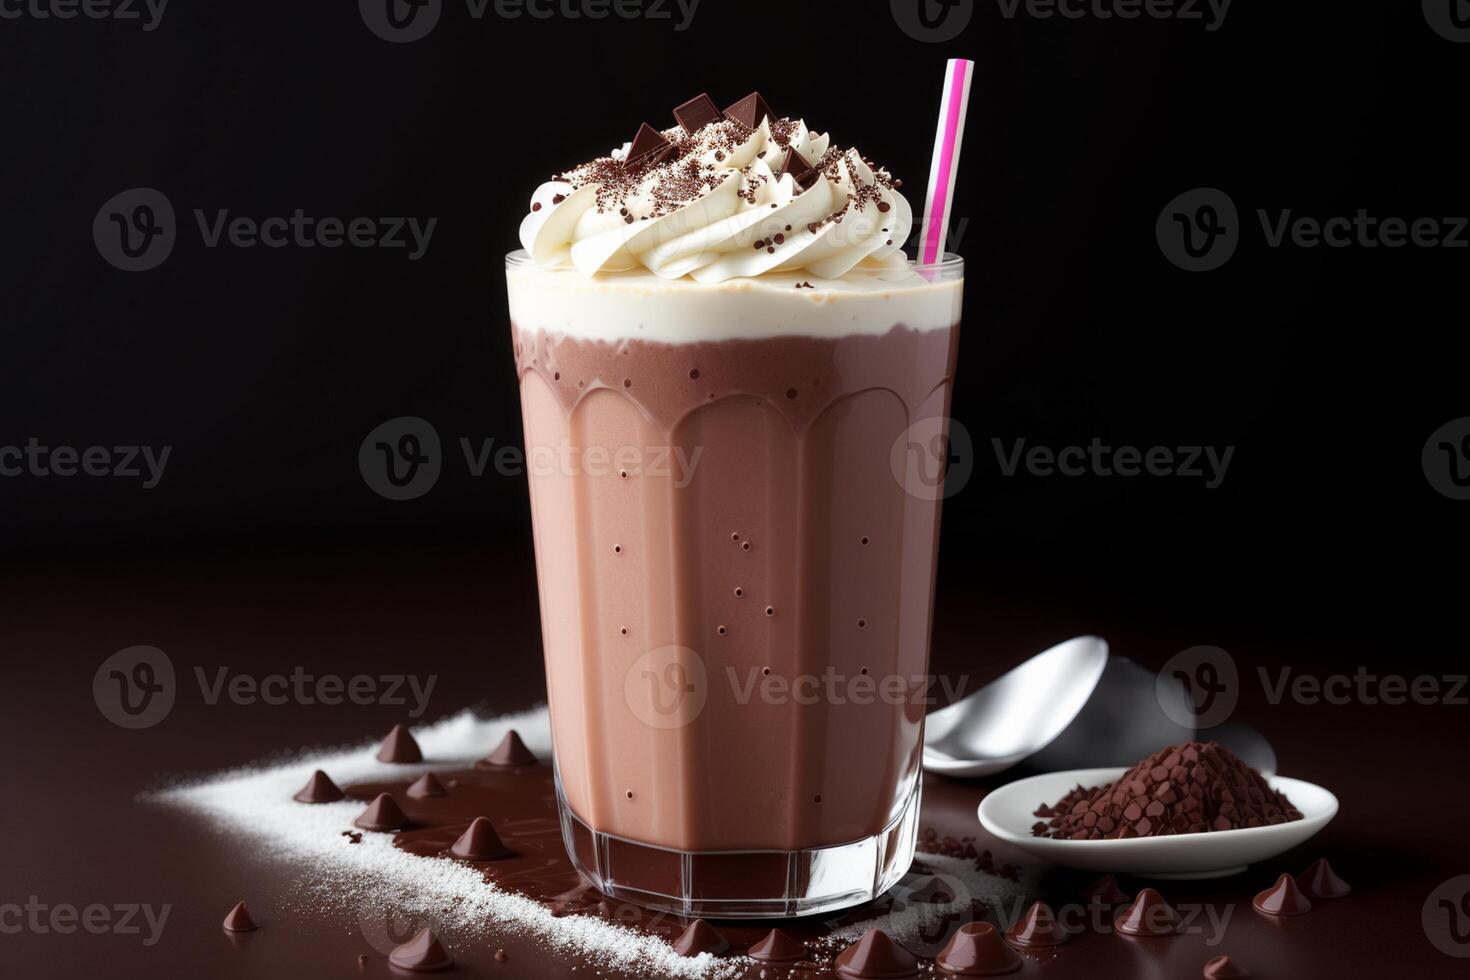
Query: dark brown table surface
(74, 831)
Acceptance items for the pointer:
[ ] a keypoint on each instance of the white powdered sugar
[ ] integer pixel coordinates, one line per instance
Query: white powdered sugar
(386, 885)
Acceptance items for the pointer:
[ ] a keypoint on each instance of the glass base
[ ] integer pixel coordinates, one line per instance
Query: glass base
(743, 884)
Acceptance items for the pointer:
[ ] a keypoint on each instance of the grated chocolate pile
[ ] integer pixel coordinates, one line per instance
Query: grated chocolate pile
(1190, 788)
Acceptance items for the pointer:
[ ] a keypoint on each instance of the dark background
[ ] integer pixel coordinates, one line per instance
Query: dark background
(1326, 548)
(1326, 369)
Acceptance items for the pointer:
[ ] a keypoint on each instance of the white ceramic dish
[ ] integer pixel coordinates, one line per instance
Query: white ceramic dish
(1008, 813)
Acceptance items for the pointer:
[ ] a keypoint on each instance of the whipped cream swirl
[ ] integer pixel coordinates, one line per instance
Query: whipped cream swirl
(717, 205)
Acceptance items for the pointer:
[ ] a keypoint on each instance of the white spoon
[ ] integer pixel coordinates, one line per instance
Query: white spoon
(1016, 715)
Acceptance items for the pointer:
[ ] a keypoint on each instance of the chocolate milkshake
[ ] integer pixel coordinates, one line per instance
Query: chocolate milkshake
(731, 380)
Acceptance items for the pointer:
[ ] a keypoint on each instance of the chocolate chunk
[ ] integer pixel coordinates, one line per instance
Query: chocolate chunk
(1320, 881)
(424, 953)
(933, 891)
(976, 950)
(319, 789)
(1159, 795)
(382, 814)
(479, 842)
(510, 752)
(698, 111)
(1224, 968)
(239, 919)
(1037, 928)
(795, 164)
(876, 957)
(649, 147)
(1148, 915)
(777, 947)
(750, 110)
(1282, 898)
(399, 747)
(427, 786)
(1105, 891)
(700, 937)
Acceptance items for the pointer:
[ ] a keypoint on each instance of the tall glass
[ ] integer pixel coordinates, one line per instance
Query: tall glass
(735, 492)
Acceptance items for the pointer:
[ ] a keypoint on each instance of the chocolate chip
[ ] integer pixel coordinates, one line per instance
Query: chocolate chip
(399, 747)
(239, 920)
(424, 953)
(479, 842)
(319, 789)
(700, 937)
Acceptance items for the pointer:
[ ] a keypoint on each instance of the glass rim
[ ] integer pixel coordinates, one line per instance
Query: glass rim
(948, 262)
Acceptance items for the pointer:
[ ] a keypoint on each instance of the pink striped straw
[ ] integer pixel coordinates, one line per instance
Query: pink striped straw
(946, 158)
